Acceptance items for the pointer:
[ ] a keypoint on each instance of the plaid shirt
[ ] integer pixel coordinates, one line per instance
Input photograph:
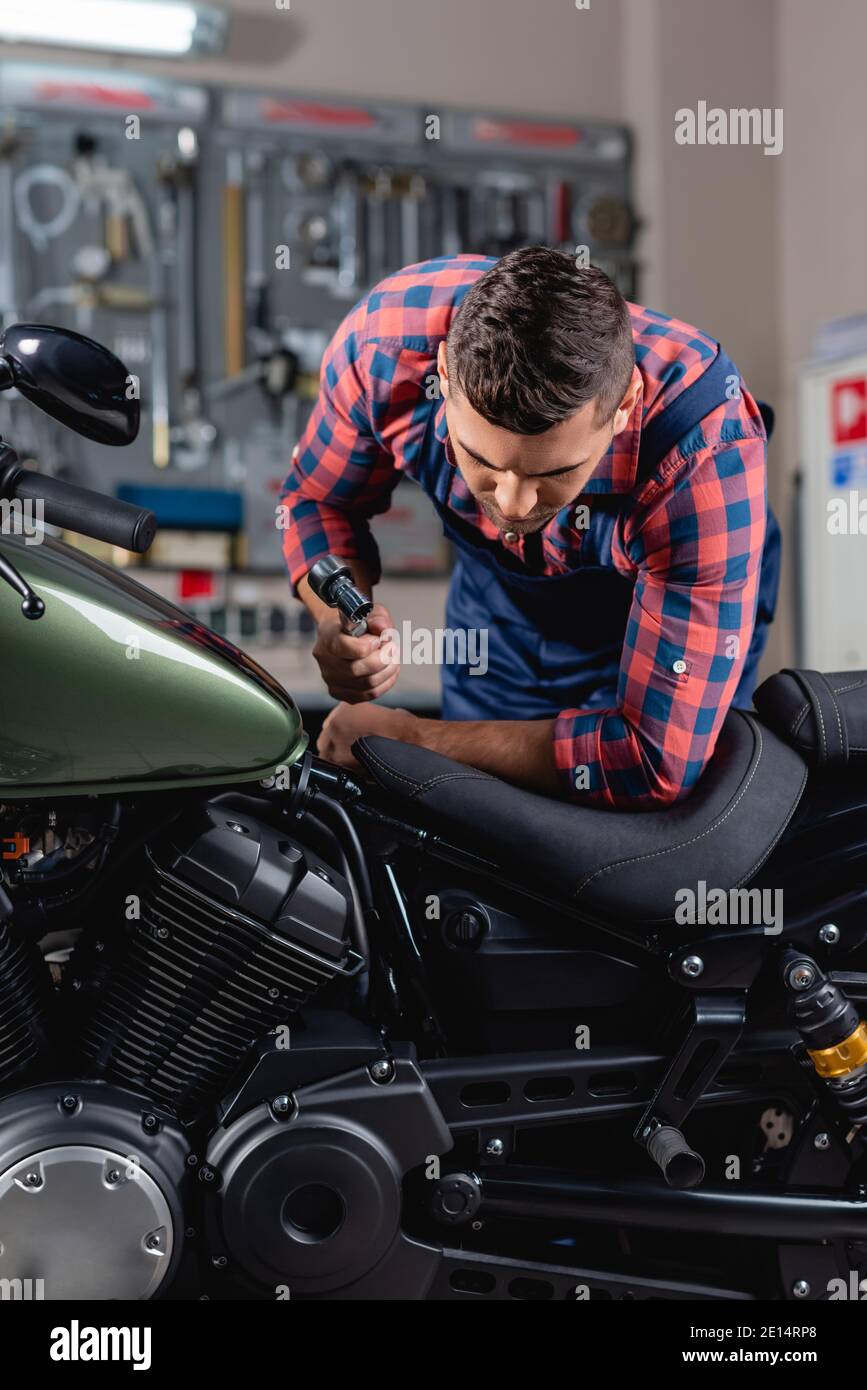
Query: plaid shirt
(691, 539)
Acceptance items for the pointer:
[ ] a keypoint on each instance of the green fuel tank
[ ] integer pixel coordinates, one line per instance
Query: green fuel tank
(115, 690)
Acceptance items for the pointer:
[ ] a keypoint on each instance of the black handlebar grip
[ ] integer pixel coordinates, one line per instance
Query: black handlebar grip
(89, 513)
(331, 581)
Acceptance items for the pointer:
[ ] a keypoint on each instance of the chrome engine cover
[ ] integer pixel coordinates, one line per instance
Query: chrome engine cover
(90, 1194)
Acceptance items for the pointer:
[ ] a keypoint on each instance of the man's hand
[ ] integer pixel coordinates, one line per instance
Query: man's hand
(346, 723)
(356, 669)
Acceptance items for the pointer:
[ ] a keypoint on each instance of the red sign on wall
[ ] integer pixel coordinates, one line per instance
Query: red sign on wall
(849, 411)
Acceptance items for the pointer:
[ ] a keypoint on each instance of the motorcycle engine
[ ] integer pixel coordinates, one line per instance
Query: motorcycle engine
(234, 927)
(237, 927)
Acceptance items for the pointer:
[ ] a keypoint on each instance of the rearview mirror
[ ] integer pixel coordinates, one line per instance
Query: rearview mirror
(73, 379)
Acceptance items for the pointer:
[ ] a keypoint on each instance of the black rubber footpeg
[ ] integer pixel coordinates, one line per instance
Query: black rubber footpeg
(680, 1165)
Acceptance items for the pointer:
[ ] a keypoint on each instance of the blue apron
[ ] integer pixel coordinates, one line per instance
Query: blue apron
(532, 672)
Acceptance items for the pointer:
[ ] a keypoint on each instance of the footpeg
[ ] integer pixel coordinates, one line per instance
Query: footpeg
(713, 1027)
(680, 1165)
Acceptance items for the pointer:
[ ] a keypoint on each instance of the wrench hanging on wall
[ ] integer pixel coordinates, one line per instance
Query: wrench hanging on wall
(11, 141)
(175, 266)
(278, 365)
(379, 186)
(256, 272)
(162, 263)
(350, 224)
(413, 190)
(234, 334)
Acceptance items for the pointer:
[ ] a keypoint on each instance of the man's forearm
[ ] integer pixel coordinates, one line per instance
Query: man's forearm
(518, 750)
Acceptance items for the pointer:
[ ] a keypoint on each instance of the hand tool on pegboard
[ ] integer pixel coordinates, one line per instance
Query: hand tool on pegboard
(234, 327)
(194, 436)
(112, 190)
(11, 141)
(350, 236)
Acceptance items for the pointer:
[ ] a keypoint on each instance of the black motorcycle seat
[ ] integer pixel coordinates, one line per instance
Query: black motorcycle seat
(822, 714)
(624, 864)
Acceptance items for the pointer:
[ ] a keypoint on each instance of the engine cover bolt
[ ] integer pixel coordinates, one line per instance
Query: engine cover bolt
(206, 1174)
(153, 1241)
(495, 1148)
(456, 1198)
(465, 928)
(161, 933)
(273, 993)
(192, 1160)
(219, 1261)
(70, 1104)
(822, 1141)
(281, 1105)
(829, 934)
(112, 1176)
(801, 1289)
(33, 1180)
(692, 966)
(382, 1071)
(801, 976)
(150, 1124)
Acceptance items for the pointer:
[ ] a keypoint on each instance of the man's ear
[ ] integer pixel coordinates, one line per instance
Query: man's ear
(627, 405)
(443, 369)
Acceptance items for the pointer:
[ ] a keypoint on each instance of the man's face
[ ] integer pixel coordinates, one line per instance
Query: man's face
(522, 481)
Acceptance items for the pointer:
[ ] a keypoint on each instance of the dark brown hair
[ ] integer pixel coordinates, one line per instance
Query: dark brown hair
(536, 338)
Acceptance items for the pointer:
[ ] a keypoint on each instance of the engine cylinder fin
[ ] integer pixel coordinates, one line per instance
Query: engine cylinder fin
(25, 994)
(200, 982)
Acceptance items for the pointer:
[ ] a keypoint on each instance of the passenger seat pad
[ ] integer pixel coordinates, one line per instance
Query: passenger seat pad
(823, 715)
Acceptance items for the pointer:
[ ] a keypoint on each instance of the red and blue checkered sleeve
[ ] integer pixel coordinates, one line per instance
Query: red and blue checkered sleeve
(696, 545)
(340, 474)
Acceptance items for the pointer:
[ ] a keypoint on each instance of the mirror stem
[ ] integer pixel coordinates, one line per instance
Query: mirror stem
(32, 605)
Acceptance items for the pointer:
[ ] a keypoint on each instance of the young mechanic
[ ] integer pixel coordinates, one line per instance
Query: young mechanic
(601, 471)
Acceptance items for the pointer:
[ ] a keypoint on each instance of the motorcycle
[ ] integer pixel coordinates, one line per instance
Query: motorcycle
(273, 1029)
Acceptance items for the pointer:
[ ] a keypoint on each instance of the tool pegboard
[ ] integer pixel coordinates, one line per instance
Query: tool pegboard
(214, 238)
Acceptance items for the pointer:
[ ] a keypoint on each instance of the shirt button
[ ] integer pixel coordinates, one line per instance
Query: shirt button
(679, 667)
(510, 536)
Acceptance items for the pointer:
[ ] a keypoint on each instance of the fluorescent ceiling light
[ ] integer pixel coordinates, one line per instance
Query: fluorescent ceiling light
(127, 26)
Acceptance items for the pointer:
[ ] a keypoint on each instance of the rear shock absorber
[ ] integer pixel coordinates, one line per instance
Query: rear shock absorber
(832, 1031)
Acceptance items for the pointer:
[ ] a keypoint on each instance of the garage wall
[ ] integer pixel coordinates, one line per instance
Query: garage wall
(709, 213)
(756, 250)
(823, 193)
(711, 246)
(822, 226)
(540, 56)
